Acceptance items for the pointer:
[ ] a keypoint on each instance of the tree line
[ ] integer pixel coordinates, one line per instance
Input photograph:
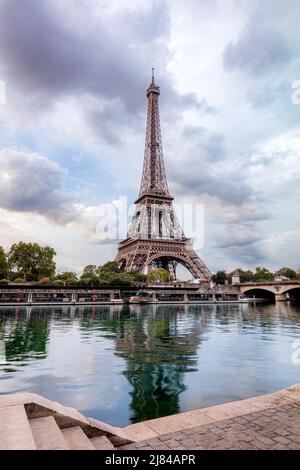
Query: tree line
(260, 274)
(30, 262)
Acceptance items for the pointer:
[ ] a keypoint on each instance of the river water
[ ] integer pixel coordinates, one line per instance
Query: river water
(127, 364)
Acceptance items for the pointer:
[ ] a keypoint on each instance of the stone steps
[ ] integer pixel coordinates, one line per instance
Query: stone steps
(47, 435)
(102, 443)
(24, 427)
(15, 431)
(77, 439)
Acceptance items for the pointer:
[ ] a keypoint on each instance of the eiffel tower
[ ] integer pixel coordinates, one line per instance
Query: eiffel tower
(155, 237)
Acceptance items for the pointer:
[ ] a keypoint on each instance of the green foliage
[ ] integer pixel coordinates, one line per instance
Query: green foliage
(138, 277)
(287, 272)
(19, 280)
(90, 270)
(4, 282)
(32, 260)
(158, 275)
(263, 274)
(245, 276)
(67, 275)
(114, 279)
(260, 274)
(58, 283)
(3, 263)
(71, 281)
(110, 267)
(220, 277)
(107, 275)
(14, 275)
(89, 280)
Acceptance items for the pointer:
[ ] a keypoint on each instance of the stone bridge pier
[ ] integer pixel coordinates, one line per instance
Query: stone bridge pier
(281, 297)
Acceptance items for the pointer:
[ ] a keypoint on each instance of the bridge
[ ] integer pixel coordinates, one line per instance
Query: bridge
(280, 291)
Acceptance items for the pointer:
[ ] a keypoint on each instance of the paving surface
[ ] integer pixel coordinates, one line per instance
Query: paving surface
(275, 428)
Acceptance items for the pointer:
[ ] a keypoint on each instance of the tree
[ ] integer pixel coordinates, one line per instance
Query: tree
(32, 260)
(89, 280)
(111, 267)
(45, 266)
(66, 275)
(158, 275)
(66, 278)
(220, 277)
(90, 270)
(58, 283)
(71, 281)
(107, 275)
(287, 272)
(3, 264)
(263, 274)
(245, 276)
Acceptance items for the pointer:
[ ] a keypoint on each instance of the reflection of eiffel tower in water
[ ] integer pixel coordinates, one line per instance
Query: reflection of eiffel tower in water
(155, 237)
(156, 373)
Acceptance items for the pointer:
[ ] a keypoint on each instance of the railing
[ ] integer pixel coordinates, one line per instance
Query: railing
(175, 284)
(258, 283)
(156, 238)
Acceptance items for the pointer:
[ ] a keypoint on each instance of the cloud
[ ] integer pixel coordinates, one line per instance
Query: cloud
(50, 59)
(33, 184)
(239, 235)
(30, 182)
(262, 97)
(257, 50)
(205, 169)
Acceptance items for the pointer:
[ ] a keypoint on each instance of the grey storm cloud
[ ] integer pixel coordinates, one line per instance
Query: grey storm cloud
(30, 183)
(246, 256)
(204, 172)
(258, 49)
(44, 57)
(242, 241)
(239, 235)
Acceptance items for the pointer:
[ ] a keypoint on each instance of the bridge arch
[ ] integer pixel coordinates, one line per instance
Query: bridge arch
(293, 294)
(260, 293)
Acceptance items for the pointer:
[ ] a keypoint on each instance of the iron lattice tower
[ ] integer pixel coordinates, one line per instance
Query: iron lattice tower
(155, 237)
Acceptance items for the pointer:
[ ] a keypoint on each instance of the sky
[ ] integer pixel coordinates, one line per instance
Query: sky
(72, 124)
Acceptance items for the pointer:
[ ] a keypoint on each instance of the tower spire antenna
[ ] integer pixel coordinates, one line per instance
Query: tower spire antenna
(153, 78)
